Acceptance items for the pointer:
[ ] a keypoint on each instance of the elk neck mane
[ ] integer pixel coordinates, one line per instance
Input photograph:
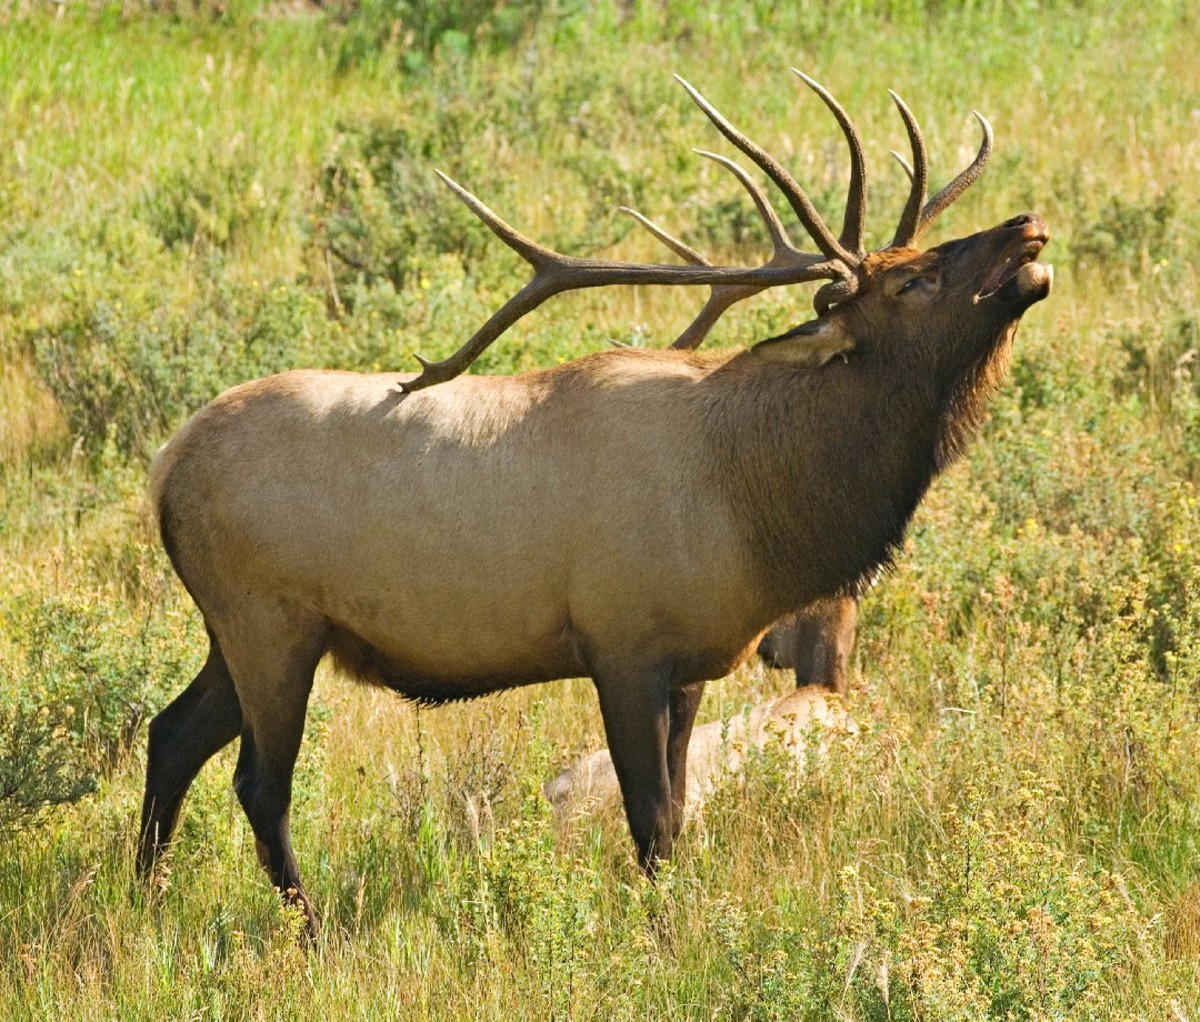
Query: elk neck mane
(967, 396)
(828, 464)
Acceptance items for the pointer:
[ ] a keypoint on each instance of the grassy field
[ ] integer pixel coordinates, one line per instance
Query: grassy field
(193, 196)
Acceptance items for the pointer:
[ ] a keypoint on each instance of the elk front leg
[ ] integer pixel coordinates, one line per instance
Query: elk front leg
(635, 706)
(684, 702)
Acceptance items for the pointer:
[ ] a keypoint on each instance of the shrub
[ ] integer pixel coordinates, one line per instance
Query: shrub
(1130, 234)
(384, 212)
(97, 669)
(417, 31)
(41, 764)
(125, 371)
(217, 199)
(1007, 925)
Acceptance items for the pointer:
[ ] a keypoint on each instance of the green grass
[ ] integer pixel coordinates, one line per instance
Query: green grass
(191, 198)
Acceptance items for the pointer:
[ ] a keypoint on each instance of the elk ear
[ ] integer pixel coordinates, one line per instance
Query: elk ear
(811, 344)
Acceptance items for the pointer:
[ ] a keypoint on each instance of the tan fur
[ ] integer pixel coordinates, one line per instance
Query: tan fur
(815, 642)
(494, 531)
(637, 517)
(423, 486)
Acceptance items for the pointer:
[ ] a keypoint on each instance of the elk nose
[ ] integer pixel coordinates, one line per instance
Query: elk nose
(1031, 223)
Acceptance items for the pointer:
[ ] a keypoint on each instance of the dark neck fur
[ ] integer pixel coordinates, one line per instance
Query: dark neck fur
(826, 466)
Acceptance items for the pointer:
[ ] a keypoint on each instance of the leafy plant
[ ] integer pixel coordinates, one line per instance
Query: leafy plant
(216, 199)
(41, 765)
(419, 31)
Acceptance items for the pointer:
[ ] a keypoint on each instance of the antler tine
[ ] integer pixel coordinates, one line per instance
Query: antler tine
(719, 301)
(903, 163)
(722, 297)
(526, 248)
(854, 223)
(799, 201)
(685, 252)
(780, 242)
(785, 253)
(906, 231)
(935, 206)
(835, 291)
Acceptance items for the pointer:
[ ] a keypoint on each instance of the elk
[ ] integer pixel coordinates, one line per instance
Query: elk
(639, 517)
(815, 642)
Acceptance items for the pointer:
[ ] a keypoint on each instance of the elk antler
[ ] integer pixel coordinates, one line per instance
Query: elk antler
(837, 262)
(554, 273)
(851, 240)
(916, 218)
(913, 223)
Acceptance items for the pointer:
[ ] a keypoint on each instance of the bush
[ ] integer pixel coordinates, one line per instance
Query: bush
(1137, 236)
(41, 764)
(96, 669)
(418, 31)
(126, 372)
(216, 200)
(1007, 925)
(385, 213)
(1003, 924)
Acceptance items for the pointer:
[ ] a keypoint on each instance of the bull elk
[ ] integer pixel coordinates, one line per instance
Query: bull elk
(639, 517)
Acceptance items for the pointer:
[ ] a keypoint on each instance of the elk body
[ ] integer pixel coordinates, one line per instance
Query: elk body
(639, 517)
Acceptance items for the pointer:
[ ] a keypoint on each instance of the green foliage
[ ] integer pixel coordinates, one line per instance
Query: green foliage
(1135, 234)
(385, 212)
(417, 31)
(188, 12)
(540, 905)
(1005, 926)
(40, 764)
(215, 200)
(99, 674)
(125, 372)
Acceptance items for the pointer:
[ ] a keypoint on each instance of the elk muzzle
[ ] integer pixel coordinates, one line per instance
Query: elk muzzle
(1017, 278)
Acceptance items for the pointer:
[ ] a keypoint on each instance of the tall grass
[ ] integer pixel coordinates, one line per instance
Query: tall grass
(191, 196)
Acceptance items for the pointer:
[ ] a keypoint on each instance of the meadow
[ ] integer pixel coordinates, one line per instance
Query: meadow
(197, 194)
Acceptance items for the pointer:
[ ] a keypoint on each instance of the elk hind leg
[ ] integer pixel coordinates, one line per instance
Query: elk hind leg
(816, 642)
(824, 642)
(200, 722)
(273, 671)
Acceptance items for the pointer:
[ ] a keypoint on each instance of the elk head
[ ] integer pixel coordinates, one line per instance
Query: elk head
(908, 303)
(986, 280)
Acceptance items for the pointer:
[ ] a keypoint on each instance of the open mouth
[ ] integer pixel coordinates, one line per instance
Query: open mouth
(1011, 267)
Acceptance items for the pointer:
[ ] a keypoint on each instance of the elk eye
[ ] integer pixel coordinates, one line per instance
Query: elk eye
(910, 285)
